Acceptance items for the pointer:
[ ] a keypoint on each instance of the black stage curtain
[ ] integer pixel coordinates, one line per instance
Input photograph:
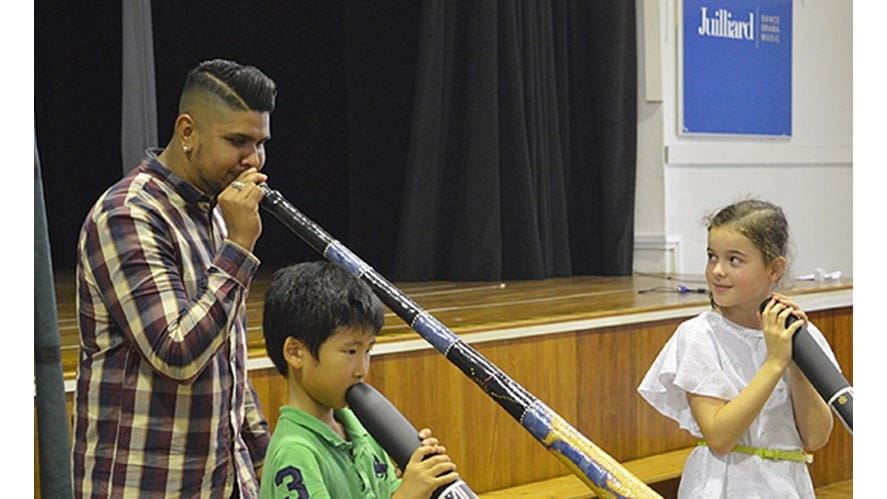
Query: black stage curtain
(438, 140)
(77, 94)
(522, 154)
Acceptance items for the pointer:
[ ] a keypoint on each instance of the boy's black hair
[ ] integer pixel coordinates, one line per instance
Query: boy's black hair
(309, 301)
(245, 88)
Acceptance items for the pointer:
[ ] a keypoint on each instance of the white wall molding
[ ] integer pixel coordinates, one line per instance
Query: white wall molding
(657, 253)
(767, 152)
(651, 33)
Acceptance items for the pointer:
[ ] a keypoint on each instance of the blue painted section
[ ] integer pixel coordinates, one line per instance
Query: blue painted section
(737, 67)
(434, 332)
(342, 256)
(537, 420)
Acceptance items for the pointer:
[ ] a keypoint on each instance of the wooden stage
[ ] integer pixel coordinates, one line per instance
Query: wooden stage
(580, 344)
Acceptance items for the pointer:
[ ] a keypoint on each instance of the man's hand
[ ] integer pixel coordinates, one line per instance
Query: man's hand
(239, 202)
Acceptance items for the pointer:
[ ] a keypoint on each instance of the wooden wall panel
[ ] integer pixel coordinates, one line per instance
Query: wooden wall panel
(475, 429)
(270, 388)
(613, 415)
(834, 462)
(655, 433)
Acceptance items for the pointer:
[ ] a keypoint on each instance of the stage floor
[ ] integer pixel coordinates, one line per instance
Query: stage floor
(475, 307)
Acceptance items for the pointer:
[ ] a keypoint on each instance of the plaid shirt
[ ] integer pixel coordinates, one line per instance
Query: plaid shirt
(163, 404)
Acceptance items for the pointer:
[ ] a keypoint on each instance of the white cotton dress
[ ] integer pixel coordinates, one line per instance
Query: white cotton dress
(709, 355)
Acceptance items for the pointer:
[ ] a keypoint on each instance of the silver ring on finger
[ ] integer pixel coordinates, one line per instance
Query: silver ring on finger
(238, 185)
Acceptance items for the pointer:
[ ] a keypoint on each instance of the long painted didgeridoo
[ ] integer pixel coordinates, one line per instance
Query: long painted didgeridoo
(593, 466)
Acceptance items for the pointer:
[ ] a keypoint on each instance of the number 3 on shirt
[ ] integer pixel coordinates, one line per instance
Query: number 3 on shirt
(295, 482)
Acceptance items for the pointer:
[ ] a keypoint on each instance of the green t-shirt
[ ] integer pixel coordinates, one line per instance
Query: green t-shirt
(307, 459)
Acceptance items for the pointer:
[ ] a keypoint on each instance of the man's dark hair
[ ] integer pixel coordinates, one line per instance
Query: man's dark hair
(310, 301)
(241, 87)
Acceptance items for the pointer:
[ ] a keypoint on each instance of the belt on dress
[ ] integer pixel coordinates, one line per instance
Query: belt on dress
(773, 454)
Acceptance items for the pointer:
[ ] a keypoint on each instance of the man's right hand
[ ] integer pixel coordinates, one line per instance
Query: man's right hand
(239, 202)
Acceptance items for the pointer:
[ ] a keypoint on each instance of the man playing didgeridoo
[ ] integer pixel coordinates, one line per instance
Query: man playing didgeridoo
(163, 404)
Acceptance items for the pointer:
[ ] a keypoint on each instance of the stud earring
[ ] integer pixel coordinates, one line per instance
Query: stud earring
(187, 149)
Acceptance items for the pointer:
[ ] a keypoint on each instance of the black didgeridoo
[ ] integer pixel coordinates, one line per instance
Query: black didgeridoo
(828, 381)
(395, 433)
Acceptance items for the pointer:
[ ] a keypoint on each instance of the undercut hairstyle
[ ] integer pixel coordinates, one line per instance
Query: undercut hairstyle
(763, 223)
(244, 88)
(309, 302)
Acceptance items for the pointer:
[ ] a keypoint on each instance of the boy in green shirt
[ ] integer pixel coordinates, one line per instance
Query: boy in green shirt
(320, 323)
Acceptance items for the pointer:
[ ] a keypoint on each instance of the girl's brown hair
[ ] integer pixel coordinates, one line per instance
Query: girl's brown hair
(763, 223)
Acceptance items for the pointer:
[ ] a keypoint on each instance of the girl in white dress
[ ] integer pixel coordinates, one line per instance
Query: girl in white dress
(727, 375)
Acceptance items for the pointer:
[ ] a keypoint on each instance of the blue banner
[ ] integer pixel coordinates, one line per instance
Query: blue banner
(737, 67)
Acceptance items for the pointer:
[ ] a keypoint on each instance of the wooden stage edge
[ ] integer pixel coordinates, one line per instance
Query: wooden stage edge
(528, 309)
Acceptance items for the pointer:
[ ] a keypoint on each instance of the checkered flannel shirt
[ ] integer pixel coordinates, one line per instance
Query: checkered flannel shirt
(163, 404)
